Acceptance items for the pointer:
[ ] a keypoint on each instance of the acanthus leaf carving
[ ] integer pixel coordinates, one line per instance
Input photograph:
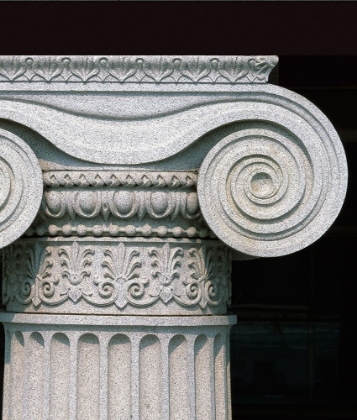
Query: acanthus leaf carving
(47, 69)
(39, 273)
(159, 69)
(233, 70)
(12, 68)
(165, 262)
(201, 286)
(84, 68)
(195, 69)
(124, 275)
(121, 274)
(28, 275)
(259, 68)
(12, 276)
(121, 68)
(76, 263)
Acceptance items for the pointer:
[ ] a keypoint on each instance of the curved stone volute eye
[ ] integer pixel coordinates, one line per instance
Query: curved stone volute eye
(277, 183)
(20, 187)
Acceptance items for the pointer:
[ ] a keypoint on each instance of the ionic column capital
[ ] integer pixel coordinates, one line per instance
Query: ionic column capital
(126, 185)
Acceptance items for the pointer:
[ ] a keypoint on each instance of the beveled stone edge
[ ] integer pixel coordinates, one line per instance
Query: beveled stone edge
(156, 69)
(135, 320)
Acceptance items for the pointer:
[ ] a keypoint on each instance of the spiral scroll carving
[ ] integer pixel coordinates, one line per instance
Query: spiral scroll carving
(268, 191)
(20, 187)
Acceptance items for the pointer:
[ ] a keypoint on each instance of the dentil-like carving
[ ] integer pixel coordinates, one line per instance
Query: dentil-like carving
(69, 179)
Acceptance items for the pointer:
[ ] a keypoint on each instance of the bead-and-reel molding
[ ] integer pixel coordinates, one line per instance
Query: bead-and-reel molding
(275, 184)
(21, 187)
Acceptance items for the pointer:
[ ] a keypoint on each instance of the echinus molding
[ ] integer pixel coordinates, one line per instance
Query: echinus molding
(128, 185)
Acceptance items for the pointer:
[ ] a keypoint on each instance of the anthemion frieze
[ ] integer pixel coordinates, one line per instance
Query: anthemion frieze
(128, 185)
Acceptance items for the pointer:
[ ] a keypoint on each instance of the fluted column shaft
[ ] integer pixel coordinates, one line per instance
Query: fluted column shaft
(73, 367)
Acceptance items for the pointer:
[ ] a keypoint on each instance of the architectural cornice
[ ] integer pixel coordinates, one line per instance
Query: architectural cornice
(136, 69)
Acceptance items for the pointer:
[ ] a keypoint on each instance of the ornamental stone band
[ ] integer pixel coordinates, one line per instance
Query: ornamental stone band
(128, 185)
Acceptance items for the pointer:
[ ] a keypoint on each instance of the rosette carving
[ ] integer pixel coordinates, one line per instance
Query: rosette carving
(21, 187)
(266, 190)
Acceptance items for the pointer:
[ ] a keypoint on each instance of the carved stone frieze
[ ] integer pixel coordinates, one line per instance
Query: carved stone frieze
(123, 204)
(112, 276)
(147, 179)
(154, 229)
(105, 203)
(136, 69)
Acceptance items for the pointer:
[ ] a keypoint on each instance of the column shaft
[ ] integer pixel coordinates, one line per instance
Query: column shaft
(75, 367)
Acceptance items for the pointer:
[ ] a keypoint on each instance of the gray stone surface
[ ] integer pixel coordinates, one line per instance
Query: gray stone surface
(153, 168)
(70, 100)
(21, 187)
(274, 185)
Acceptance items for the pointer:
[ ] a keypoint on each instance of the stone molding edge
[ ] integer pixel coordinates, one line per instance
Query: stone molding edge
(129, 179)
(137, 69)
(99, 320)
(143, 231)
